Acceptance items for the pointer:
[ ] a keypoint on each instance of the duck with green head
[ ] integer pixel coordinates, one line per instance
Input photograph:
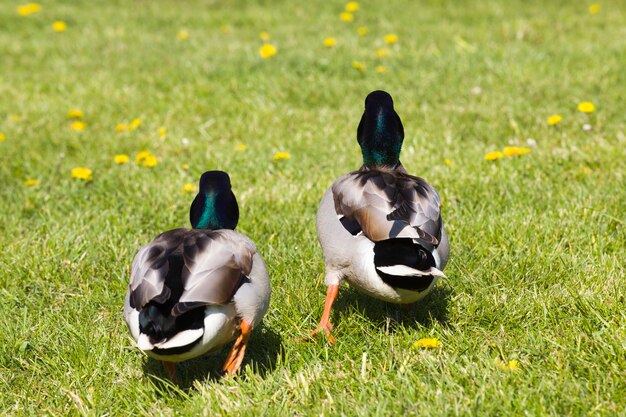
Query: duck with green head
(379, 227)
(194, 290)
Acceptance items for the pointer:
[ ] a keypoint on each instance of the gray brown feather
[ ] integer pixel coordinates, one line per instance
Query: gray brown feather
(203, 267)
(389, 203)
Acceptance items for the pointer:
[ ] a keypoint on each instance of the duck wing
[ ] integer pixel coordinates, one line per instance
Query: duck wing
(389, 204)
(151, 267)
(190, 268)
(216, 264)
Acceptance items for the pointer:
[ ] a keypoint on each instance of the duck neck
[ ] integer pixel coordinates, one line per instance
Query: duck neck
(376, 158)
(214, 210)
(209, 218)
(380, 142)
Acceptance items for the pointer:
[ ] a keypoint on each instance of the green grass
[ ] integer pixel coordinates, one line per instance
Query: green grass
(538, 242)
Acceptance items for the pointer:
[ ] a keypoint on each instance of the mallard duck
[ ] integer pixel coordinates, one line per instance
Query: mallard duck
(194, 290)
(379, 227)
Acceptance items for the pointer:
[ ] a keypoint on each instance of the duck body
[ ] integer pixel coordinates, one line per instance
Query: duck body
(205, 280)
(193, 290)
(379, 227)
(371, 227)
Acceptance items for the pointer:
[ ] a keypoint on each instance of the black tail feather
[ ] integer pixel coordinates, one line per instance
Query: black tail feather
(403, 251)
(156, 321)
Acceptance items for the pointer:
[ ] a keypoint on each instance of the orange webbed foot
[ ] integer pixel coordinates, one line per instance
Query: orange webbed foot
(238, 351)
(325, 325)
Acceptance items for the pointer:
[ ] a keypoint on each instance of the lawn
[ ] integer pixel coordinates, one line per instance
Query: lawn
(532, 315)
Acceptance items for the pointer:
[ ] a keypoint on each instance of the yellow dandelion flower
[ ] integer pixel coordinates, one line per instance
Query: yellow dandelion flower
(141, 156)
(391, 38)
(359, 66)
(510, 151)
(150, 161)
(510, 366)
(185, 167)
(188, 188)
(121, 127)
(381, 52)
(352, 6)
(241, 147)
(362, 31)
(492, 156)
(134, 125)
(146, 159)
(59, 26)
(281, 155)
(555, 119)
(594, 9)
(346, 17)
(78, 126)
(586, 107)
(82, 173)
(182, 35)
(28, 9)
(121, 158)
(267, 51)
(381, 69)
(15, 117)
(31, 182)
(75, 114)
(265, 36)
(428, 343)
(3, 137)
(330, 42)
(448, 162)
(226, 29)
(515, 151)
(162, 132)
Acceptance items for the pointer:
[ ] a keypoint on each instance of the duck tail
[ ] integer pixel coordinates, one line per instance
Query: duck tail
(159, 329)
(402, 263)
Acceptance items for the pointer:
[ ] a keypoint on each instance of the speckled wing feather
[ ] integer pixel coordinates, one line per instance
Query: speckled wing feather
(208, 265)
(150, 268)
(215, 266)
(389, 204)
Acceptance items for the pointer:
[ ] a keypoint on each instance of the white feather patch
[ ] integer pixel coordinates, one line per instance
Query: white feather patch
(132, 320)
(436, 256)
(183, 338)
(143, 342)
(403, 270)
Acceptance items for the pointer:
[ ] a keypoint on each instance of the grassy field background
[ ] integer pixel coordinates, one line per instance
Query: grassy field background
(538, 241)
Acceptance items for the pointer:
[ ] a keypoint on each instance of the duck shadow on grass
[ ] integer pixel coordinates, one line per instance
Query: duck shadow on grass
(262, 354)
(430, 310)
